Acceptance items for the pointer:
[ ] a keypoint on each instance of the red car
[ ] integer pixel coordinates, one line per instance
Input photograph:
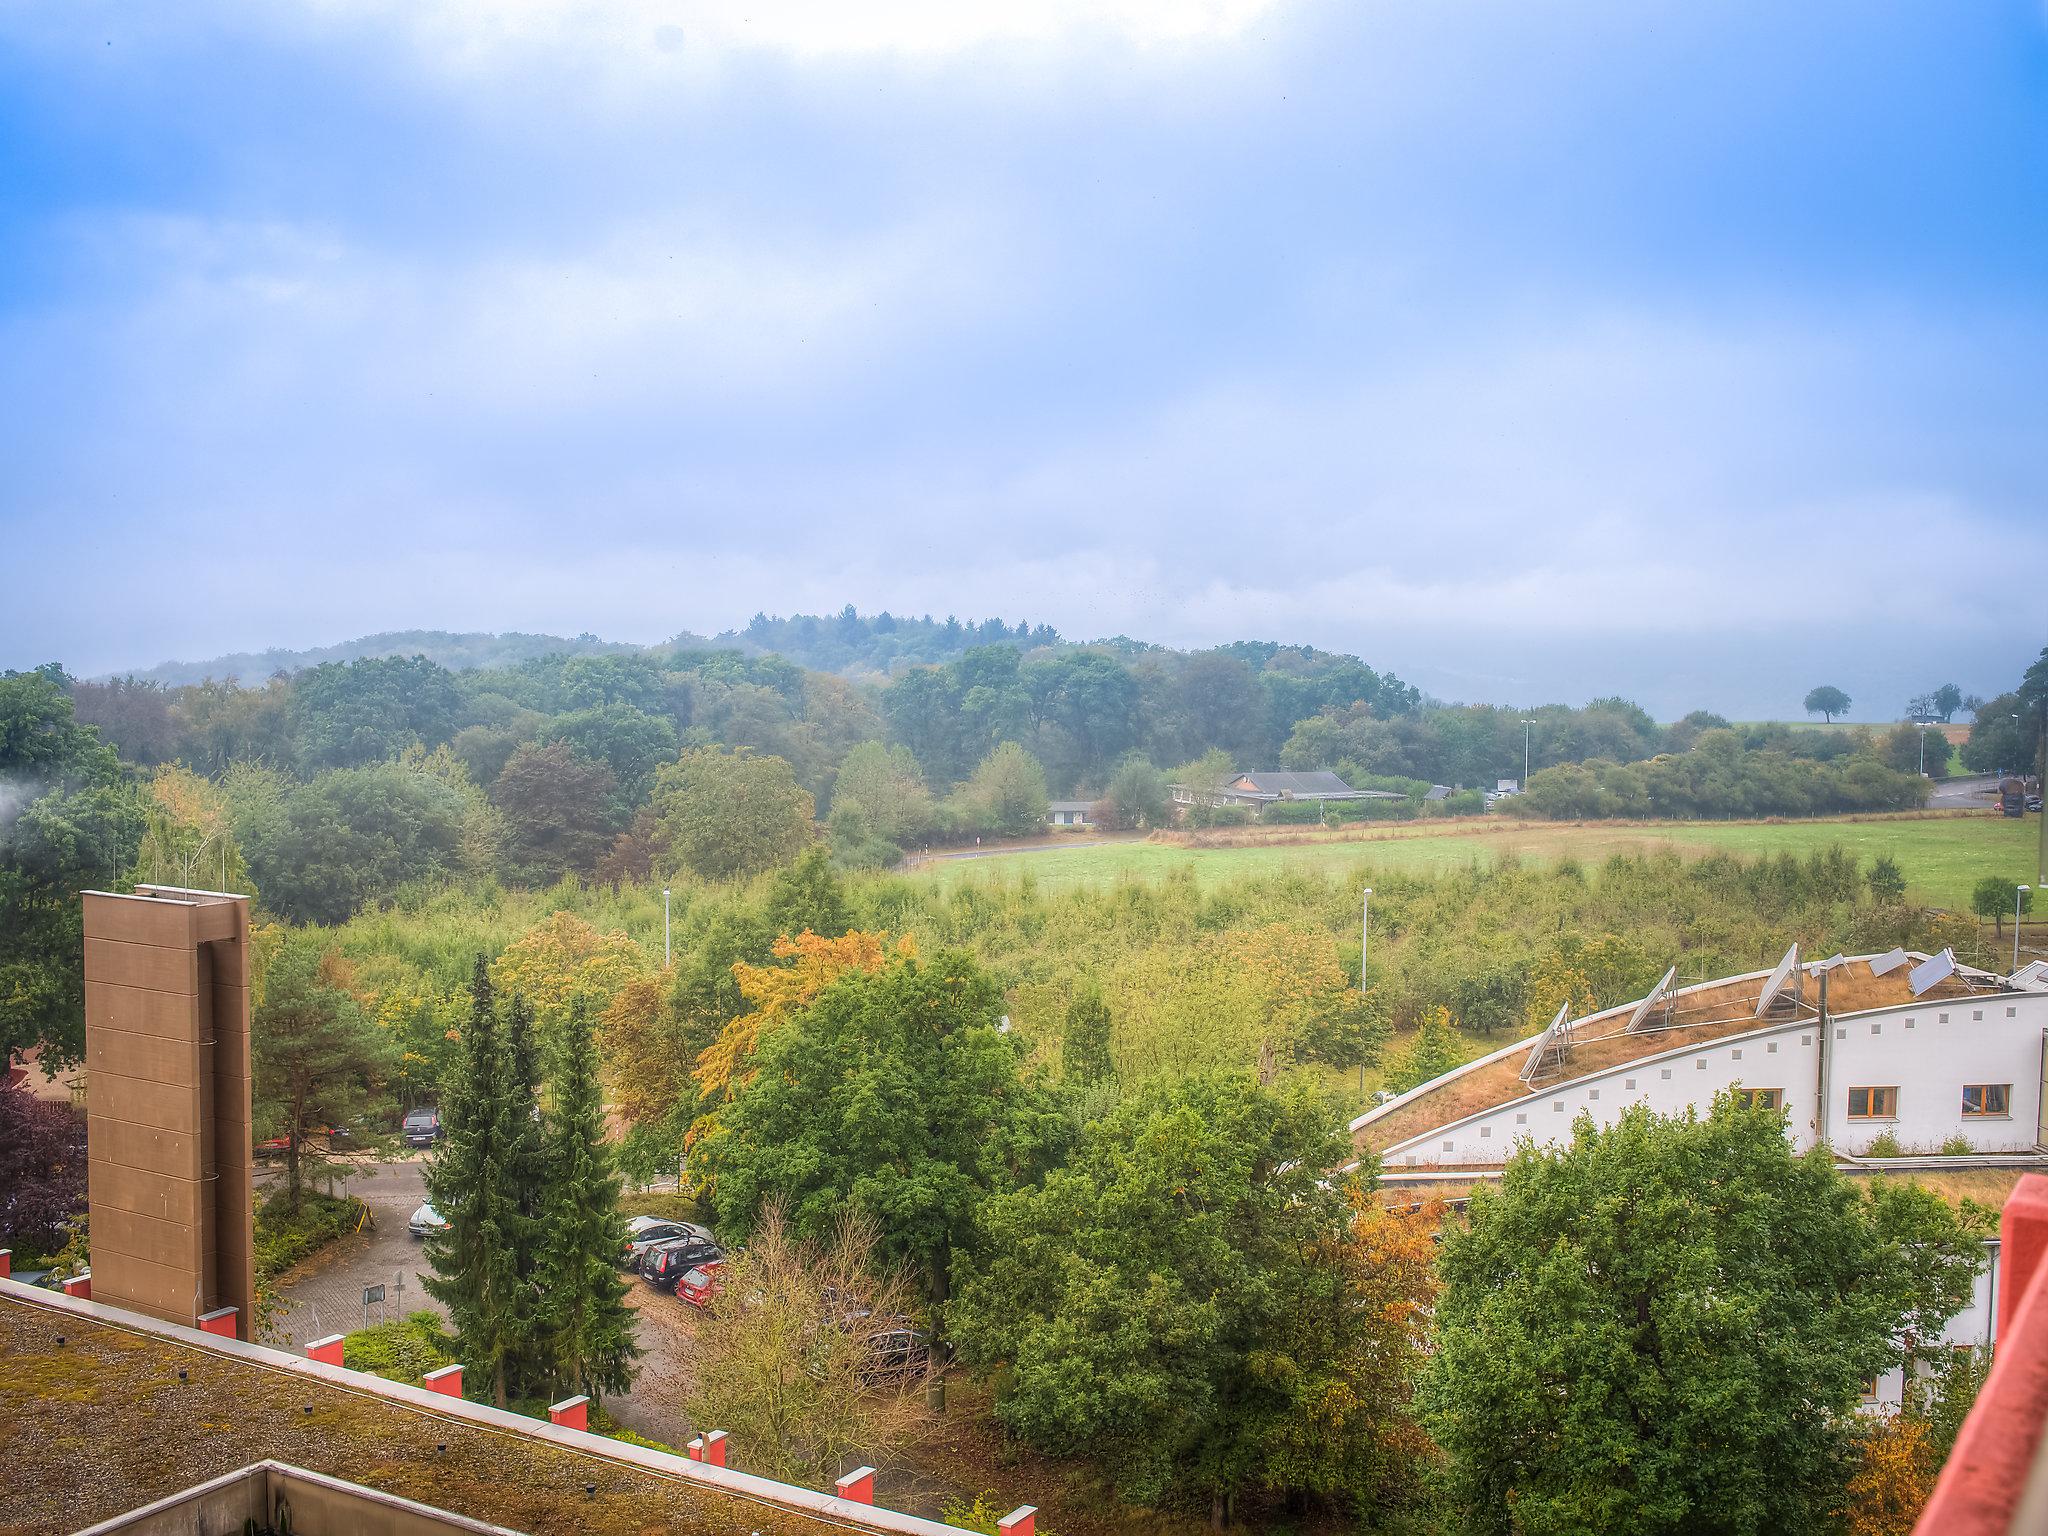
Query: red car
(700, 1284)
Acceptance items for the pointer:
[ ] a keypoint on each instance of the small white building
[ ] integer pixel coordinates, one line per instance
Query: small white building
(1070, 813)
(1907, 1053)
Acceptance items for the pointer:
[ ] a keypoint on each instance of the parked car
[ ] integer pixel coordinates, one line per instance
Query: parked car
(272, 1150)
(644, 1232)
(897, 1355)
(700, 1284)
(2033, 802)
(666, 1263)
(422, 1127)
(425, 1221)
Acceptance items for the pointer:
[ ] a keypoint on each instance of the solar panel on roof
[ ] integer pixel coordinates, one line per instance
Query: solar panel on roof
(1929, 974)
(1643, 1008)
(1544, 1045)
(2033, 974)
(1781, 974)
(1885, 964)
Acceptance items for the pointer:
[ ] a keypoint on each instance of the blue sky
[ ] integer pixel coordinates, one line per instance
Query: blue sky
(1695, 352)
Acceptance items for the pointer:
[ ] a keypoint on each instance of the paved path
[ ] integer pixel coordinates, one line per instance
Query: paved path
(1976, 790)
(326, 1296)
(326, 1292)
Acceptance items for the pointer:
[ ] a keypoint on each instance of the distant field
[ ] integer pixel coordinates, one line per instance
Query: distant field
(1942, 856)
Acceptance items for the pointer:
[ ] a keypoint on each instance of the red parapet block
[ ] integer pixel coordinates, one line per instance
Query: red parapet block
(858, 1486)
(1021, 1521)
(1985, 1479)
(714, 1448)
(79, 1285)
(327, 1351)
(695, 1449)
(447, 1381)
(6, 1263)
(220, 1320)
(570, 1413)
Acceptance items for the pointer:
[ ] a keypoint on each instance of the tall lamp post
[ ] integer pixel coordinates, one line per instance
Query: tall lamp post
(2019, 908)
(1365, 948)
(665, 953)
(1525, 752)
(1923, 749)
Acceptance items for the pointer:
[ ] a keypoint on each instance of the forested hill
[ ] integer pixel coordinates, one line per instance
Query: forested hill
(456, 652)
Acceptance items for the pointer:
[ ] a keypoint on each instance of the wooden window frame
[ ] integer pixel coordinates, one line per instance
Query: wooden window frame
(2004, 1110)
(1871, 1110)
(1766, 1098)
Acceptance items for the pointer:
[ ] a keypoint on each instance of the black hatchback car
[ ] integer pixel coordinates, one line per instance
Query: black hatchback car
(662, 1265)
(422, 1127)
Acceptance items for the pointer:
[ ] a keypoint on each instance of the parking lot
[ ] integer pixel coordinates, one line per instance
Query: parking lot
(325, 1295)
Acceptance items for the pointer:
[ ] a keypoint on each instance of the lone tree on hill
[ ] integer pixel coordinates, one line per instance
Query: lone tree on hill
(1827, 700)
(1627, 1340)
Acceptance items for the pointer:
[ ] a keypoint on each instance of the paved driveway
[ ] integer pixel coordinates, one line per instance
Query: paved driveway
(326, 1296)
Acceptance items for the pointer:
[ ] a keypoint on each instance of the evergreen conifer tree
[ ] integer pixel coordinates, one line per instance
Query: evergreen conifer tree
(587, 1328)
(487, 1182)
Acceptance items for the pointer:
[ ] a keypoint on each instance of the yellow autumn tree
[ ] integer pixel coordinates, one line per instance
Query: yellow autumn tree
(563, 961)
(188, 838)
(776, 992)
(1893, 1479)
(643, 1057)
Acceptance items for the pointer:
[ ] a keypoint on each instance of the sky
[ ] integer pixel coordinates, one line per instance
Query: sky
(1532, 351)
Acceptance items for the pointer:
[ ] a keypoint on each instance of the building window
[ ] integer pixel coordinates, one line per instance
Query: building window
(1873, 1103)
(1629, 1086)
(1983, 1101)
(1909, 1023)
(1485, 1131)
(1521, 1119)
(1592, 1093)
(1735, 1055)
(1944, 1018)
(1558, 1105)
(1760, 1098)
(2012, 1013)
(1841, 1034)
(1771, 1049)
(1666, 1074)
(1701, 1064)
(1877, 1029)
(1869, 1389)
(1977, 1015)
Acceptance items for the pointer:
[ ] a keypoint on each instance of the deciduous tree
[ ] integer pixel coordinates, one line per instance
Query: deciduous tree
(1195, 1302)
(558, 812)
(1827, 700)
(1627, 1339)
(42, 1174)
(730, 815)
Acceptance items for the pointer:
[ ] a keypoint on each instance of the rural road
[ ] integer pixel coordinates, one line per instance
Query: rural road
(1979, 790)
(326, 1295)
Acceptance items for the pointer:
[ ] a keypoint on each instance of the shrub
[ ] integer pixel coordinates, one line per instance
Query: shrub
(1957, 1146)
(288, 1234)
(404, 1349)
(1886, 1145)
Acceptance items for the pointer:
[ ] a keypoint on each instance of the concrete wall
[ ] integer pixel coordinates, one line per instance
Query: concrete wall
(169, 1172)
(319, 1506)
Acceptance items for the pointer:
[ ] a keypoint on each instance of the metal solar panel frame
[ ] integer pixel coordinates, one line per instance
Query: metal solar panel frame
(2034, 972)
(1635, 1020)
(1776, 984)
(1929, 974)
(1885, 964)
(1533, 1068)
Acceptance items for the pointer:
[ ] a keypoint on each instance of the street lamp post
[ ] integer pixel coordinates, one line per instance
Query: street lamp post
(665, 953)
(1364, 948)
(1525, 752)
(1923, 749)
(2019, 907)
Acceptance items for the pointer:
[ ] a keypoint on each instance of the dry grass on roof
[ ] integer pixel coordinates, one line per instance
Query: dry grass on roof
(101, 1424)
(1693, 1018)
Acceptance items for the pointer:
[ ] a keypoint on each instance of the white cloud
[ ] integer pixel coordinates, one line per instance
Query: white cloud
(470, 32)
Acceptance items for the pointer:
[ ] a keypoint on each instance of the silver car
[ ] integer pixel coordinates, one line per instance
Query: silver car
(426, 1221)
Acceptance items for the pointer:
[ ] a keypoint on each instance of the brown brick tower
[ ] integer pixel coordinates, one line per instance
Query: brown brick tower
(167, 1104)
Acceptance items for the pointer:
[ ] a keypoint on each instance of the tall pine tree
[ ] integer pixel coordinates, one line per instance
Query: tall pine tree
(587, 1328)
(486, 1184)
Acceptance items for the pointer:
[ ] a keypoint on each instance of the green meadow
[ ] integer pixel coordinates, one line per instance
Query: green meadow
(1942, 856)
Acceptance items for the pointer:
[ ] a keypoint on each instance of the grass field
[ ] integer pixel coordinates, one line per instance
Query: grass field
(1942, 856)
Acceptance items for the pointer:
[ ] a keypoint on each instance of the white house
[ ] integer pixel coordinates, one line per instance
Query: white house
(1071, 813)
(1933, 1055)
